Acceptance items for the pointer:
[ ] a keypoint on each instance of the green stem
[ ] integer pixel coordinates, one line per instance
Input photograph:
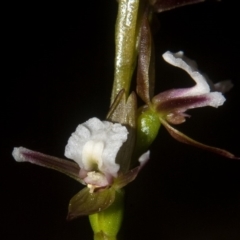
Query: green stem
(107, 223)
(102, 236)
(126, 44)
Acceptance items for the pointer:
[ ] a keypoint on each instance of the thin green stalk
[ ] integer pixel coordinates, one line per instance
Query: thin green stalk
(126, 41)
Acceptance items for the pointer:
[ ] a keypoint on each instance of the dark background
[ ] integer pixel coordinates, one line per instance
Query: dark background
(58, 72)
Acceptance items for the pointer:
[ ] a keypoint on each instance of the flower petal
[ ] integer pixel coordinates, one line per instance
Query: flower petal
(185, 139)
(190, 66)
(173, 103)
(108, 138)
(179, 60)
(128, 177)
(174, 108)
(204, 84)
(223, 86)
(64, 166)
(143, 159)
(86, 203)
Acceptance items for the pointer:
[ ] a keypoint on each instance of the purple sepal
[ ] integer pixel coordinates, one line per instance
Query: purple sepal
(187, 140)
(67, 167)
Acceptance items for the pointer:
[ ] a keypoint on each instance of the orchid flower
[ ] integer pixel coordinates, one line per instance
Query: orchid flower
(171, 106)
(93, 147)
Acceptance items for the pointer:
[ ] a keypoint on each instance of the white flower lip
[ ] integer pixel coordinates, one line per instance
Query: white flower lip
(95, 144)
(202, 82)
(173, 103)
(202, 87)
(179, 60)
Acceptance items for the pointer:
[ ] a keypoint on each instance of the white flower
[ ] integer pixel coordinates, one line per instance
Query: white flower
(173, 104)
(94, 147)
(170, 106)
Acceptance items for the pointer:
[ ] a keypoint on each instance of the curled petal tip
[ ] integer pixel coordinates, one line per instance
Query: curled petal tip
(144, 158)
(216, 99)
(172, 104)
(223, 86)
(17, 154)
(179, 60)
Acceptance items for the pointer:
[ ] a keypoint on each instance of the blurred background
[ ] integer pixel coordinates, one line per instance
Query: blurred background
(58, 72)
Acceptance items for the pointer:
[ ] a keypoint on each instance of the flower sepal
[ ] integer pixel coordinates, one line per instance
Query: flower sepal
(125, 178)
(86, 202)
(181, 137)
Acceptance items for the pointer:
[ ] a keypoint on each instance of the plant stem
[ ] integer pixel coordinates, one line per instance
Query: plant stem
(107, 223)
(126, 45)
